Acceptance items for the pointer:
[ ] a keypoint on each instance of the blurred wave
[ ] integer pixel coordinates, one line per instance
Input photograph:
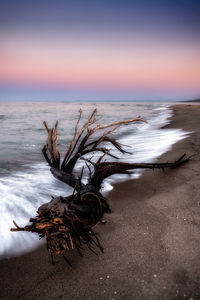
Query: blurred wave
(25, 179)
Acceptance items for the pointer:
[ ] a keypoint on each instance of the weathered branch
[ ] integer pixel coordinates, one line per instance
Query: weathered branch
(78, 147)
(91, 120)
(68, 164)
(52, 147)
(106, 169)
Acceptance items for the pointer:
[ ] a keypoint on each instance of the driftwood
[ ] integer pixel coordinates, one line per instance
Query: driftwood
(66, 222)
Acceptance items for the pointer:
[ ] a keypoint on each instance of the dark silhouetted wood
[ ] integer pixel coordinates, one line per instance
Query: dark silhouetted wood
(66, 222)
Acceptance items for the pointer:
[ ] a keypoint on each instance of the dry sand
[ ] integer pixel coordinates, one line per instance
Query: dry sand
(151, 241)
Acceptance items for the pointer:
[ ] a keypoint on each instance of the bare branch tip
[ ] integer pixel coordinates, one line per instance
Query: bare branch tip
(56, 125)
(45, 125)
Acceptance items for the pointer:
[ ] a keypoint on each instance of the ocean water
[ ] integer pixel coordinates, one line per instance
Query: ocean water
(25, 179)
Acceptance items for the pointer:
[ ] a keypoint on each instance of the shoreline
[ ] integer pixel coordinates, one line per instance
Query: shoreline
(151, 239)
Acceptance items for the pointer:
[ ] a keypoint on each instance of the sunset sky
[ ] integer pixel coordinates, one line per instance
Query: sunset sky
(99, 50)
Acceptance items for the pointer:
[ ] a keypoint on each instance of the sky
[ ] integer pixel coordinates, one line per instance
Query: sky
(99, 50)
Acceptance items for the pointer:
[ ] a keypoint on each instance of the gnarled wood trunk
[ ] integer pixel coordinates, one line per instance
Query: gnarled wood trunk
(66, 222)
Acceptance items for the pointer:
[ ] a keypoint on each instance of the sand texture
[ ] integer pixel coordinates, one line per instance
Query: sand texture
(151, 240)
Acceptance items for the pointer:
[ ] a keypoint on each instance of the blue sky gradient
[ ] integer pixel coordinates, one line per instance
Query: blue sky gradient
(99, 50)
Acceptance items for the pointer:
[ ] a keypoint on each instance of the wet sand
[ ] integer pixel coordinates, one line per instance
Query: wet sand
(151, 240)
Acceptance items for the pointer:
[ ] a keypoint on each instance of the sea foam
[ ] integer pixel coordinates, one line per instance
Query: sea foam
(25, 188)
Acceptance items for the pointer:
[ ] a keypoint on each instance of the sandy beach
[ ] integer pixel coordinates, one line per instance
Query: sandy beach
(151, 240)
